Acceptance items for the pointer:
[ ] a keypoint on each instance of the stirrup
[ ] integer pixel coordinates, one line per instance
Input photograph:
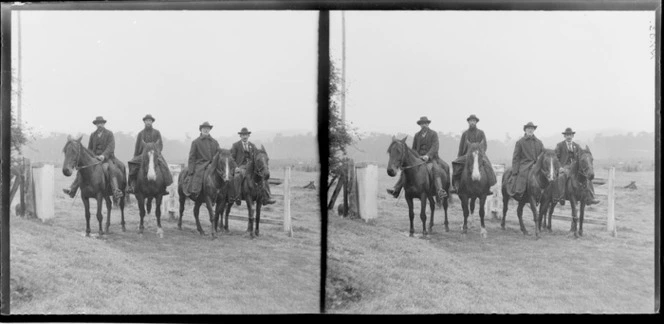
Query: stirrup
(393, 192)
(69, 192)
(269, 201)
(130, 189)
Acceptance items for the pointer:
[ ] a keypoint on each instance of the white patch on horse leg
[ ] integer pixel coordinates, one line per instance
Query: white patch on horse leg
(160, 232)
(483, 232)
(151, 174)
(476, 168)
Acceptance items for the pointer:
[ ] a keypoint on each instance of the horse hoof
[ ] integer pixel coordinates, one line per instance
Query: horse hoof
(483, 233)
(124, 229)
(160, 232)
(257, 234)
(411, 235)
(580, 233)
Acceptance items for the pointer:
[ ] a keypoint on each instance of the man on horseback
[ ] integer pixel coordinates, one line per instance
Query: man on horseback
(242, 152)
(567, 152)
(425, 143)
(472, 135)
(526, 151)
(201, 153)
(148, 135)
(102, 144)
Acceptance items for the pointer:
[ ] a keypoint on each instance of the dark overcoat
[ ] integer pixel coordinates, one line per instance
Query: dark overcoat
(201, 154)
(472, 135)
(526, 151)
(239, 155)
(148, 135)
(102, 142)
(425, 142)
(564, 155)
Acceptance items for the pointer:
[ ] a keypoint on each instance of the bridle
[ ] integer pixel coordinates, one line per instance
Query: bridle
(78, 156)
(402, 160)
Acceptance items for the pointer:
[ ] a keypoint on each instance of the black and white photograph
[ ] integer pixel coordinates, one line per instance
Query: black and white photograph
(492, 162)
(164, 162)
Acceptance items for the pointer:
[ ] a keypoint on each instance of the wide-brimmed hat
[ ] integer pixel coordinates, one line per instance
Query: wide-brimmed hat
(568, 130)
(99, 119)
(423, 119)
(530, 124)
(472, 117)
(148, 116)
(244, 130)
(205, 124)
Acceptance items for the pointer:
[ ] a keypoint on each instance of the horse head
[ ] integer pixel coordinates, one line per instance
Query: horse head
(150, 154)
(548, 165)
(474, 158)
(72, 151)
(261, 163)
(396, 151)
(225, 164)
(586, 164)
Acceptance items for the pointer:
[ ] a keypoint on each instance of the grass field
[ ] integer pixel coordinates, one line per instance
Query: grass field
(376, 268)
(56, 270)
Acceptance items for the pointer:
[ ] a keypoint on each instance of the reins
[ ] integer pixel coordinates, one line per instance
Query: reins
(78, 157)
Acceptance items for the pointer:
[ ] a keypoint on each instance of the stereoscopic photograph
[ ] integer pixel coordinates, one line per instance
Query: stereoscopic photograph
(492, 162)
(164, 162)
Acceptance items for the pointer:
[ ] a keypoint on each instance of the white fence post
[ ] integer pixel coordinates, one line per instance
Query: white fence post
(43, 178)
(610, 217)
(288, 228)
(367, 185)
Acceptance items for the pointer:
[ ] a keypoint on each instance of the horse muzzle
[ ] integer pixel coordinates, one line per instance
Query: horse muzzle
(67, 172)
(391, 172)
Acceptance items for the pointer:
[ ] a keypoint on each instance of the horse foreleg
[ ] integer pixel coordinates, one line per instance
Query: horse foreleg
(157, 213)
(572, 203)
(141, 211)
(423, 213)
(197, 209)
(472, 206)
(86, 205)
(122, 206)
(250, 221)
(552, 207)
(519, 214)
(411, 215)
(506, 201)
(483, 232)
(100, 216)
(258, 216)
(108, 213)
(445, 205)
(536, 218)
(432, 205)
(582, 209)
(466, 210)
(208, 205)
(148, 206)
(183, 199)
(228, 211)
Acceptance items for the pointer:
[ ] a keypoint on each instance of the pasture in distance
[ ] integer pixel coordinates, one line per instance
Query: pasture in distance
(56, 270)
(376, 268)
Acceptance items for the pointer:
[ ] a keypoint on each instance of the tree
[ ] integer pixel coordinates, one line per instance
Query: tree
(19, 135)
(341, 134)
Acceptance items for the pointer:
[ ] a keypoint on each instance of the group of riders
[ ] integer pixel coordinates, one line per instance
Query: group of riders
(203, 149)
(526, 152)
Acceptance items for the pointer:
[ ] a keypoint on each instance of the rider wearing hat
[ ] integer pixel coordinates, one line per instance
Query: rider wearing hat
(147, 135)
(472, 135)
(567, 152)
(526, 151)
(425, 143)
(242, 152)
(102, 144)
(201, 153)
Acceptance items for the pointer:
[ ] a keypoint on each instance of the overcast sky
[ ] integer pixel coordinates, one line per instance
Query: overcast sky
(234, 69)
(588, 70)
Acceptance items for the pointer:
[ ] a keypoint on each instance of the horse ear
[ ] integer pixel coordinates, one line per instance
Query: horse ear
(80, 138)
(68, 138)
(262, 148)
(404, 139)
(394, 138)
(587, 148)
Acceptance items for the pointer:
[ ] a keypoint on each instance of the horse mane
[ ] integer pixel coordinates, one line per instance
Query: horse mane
(408, 148)
(85, 149)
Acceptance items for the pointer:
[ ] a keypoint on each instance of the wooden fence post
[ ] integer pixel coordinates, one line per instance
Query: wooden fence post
(611, 220)
(288, 228)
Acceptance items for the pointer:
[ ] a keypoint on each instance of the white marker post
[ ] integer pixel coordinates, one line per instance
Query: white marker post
(610, 217)
(43, 178)
(367, 187)
(288, 228)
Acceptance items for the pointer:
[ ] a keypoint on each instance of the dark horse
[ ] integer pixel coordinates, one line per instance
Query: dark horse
(473, 184)
(224, 186)
(150, 184)
(215, 174)
(94, 184)
(572, 187)
(419, 181)
(257, 171)
(542, 174)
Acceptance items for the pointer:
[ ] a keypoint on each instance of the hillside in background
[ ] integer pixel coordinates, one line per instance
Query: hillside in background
(293, 148)
(614, 149)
